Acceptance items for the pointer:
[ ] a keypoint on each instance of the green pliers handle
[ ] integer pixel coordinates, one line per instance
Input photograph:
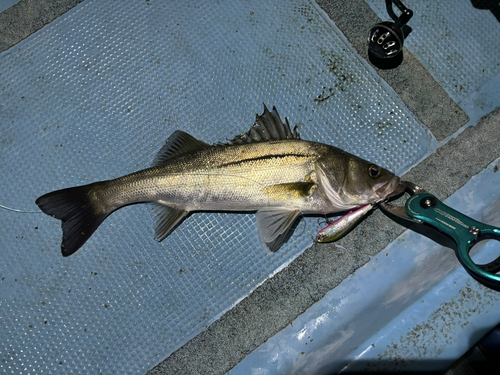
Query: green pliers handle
(465, 231)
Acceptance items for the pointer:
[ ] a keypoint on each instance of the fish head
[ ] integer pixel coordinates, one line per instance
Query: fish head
(349, 181)
(368, 183)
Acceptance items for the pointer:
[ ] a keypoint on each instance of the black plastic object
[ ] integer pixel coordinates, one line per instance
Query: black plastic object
(386, 39)
(490, 345)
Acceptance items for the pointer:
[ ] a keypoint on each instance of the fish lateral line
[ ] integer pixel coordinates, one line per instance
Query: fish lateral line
(265, 157)
(219, 175)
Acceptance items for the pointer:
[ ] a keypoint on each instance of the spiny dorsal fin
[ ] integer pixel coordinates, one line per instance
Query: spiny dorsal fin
(268, 126)
(178, 143)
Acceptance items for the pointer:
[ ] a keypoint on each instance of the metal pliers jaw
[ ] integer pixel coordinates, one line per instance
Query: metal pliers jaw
(400, 211)
(425, 208)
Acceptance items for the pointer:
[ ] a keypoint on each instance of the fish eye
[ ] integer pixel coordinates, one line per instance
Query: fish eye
(374, 171)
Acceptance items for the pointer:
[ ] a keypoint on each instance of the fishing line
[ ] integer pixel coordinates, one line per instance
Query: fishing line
(313, 238)
(323, 220)
(301, 223)
(19, 211)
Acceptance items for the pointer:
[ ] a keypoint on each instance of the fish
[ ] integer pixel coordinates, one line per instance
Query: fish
(268, 170)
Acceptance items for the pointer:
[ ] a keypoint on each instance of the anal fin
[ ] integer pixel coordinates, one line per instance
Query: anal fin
(166, 219)
(273, 226)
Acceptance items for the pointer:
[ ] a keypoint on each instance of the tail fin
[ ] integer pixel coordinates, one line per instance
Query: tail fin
(79, 219)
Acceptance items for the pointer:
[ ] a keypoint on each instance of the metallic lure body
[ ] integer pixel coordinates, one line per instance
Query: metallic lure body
(338, 228)
(268, 170)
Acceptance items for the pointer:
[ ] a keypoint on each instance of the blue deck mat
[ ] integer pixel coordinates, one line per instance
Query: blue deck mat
(93, 96)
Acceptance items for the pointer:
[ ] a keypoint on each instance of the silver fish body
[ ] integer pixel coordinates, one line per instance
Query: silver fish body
(268, 170)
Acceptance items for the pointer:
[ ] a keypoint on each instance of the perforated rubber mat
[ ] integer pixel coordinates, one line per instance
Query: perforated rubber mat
(93, 96)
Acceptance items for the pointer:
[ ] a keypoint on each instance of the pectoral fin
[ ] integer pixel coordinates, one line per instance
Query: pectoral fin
(166, 219)
(288, 191)
(273, 226)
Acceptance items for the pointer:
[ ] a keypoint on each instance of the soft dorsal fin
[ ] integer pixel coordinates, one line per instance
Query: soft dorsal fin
(178, 143)
(268, 126)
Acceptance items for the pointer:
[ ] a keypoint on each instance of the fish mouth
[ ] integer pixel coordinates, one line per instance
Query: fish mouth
(389, 189)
